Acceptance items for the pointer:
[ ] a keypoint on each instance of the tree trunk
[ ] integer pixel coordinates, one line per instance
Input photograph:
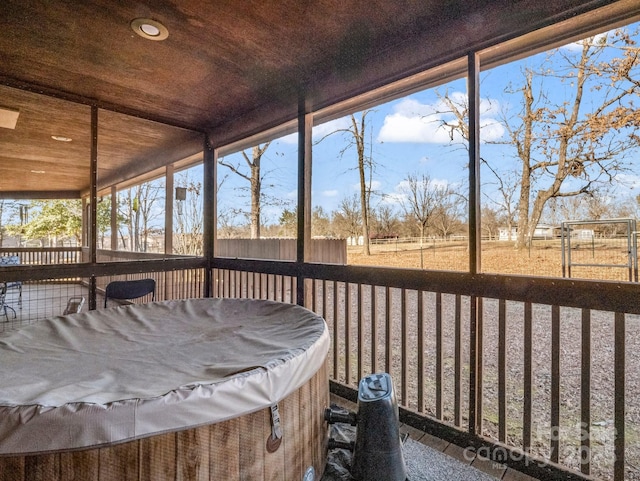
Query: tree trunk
(255, 192)
(359, 134)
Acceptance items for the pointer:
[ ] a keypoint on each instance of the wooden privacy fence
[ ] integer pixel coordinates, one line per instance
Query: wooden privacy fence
(326, 251)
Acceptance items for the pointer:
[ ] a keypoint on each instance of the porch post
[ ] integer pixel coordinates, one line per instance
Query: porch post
(114, 218)
(168, 210)
(93, 204)
(210, 158)
(474, 162)
(303, 241)
(475, 314)
(85, 227)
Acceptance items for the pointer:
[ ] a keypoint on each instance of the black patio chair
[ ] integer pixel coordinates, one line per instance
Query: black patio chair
(13, 261)
(3, 305)
(127, 290)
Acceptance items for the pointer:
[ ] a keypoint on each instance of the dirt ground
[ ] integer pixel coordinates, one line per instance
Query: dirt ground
(543, 261)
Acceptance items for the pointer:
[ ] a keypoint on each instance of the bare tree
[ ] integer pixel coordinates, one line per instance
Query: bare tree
(422, 198)
(347, 219)
(137, 208)
(255, 178)
(563, 151)
(357, 134)
(188, 218)
(386, 221)
(491, 223)
(507, 185)
(320, 222)
(567, 146)
(448, 218)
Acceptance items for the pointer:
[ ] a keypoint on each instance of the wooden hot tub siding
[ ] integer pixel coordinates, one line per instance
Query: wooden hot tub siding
(226, 451)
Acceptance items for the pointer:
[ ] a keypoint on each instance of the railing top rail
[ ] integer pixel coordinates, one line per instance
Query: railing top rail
(599, 295)
(39, 249)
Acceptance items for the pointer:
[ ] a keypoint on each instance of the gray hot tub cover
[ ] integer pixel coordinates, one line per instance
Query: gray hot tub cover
(112, 375)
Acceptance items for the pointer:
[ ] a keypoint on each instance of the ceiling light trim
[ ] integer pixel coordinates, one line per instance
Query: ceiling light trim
(149, 29)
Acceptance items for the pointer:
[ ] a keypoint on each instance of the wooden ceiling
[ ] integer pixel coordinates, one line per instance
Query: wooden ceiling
(230, 68)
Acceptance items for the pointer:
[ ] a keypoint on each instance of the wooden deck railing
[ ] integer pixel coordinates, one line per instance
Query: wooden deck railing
(44, 255)
(542, 374)
(537, 373)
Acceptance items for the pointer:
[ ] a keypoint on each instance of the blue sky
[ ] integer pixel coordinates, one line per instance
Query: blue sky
(405, 136)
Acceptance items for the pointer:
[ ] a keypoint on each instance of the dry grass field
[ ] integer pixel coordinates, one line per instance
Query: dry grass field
(604, 259)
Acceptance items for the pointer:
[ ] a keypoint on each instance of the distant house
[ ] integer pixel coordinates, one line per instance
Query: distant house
(542, 231)
(546, 231)
(506, 234)
(582, 233)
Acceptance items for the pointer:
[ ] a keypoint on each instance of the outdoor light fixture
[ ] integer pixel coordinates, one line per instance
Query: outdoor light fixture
(149, 29)
(181, 193)
(61, 138)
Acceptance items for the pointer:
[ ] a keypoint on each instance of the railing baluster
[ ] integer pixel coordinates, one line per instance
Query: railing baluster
(347, 333)
(293, 298)
(555, 383)
(619, 403)
(283, 288)
(374, 331)
(585, 394)
(404, 391)
(457, 402)
(324, 298)
(360, 318)
(480, 329)
(421, 344)
(439, 355)
(336, 335)
(268, 286)
(314, 295)
(528, 352)
(502, 370)
(388, 332)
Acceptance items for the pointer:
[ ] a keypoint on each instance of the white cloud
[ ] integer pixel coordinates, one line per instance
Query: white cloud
(490, 129)
(322, 130)
(290, 139)
(330, 193)
(577, 46)
(375, 185)
(402, 189)
(413, 121)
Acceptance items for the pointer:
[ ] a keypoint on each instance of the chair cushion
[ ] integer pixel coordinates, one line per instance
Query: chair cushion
(9, 260)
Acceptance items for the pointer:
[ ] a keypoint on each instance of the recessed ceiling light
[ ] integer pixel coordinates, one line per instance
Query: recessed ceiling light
(149, 29)
(61, 138)
(37, 171)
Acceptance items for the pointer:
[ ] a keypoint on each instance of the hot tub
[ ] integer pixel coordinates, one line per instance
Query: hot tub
(218, 389)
